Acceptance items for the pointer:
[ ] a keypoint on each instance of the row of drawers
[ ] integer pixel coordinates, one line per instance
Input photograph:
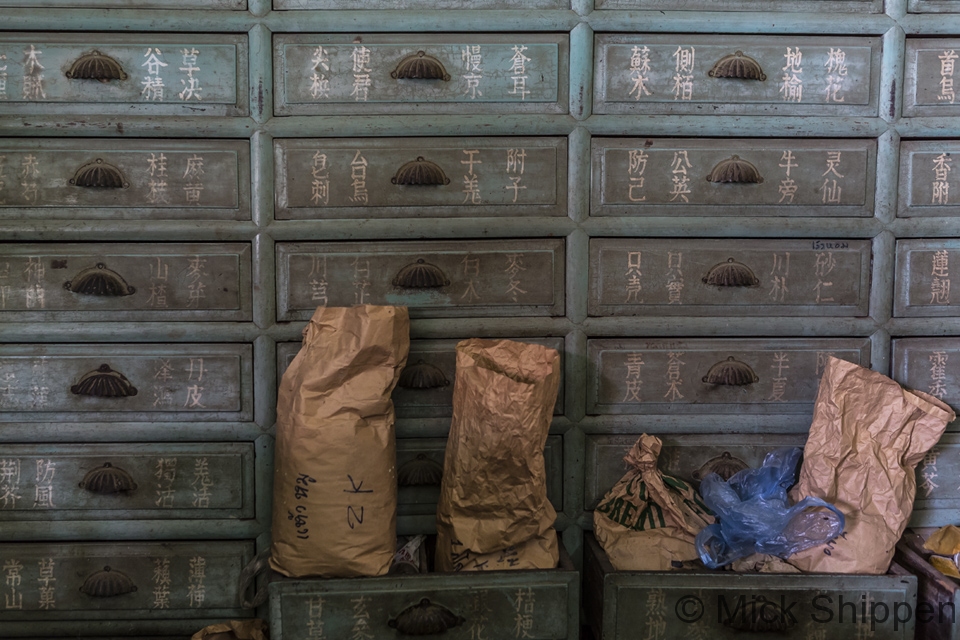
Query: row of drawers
(628, 276)
(327, 74)
(213, 382)
(338, 178)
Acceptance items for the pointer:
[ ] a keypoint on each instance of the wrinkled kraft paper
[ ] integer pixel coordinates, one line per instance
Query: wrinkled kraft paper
(253, 629)
(648, 521)
(867, 436)
(335, 478)
(541, 552)
(494, 493)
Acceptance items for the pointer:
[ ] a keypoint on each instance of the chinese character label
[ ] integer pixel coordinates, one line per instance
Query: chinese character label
(33, 75)
(358, 174)
(319, 82)
(471, 183)
(639, 68)
(778, 276)
(318, 280)
(940, 186)
(201, 484)
(633, 379)
(320, 185)
(947, 93)
(191, 84)
(43, 491)
(681, 180)
(836, 65)
(471, 270)
(674, 380)
(938, 374)
(788, 186)
(518, 71)
(196, 591)
(152, 82)
(791, 84)
(940, 285)
(683, 78)
(525, 607)
(161, 583)
(674, 277)
(361, 73)
(781, 363)
(45, 584)
(635, 170)
(157, 166)
(472, 58)
(516, 159)
(166, 473)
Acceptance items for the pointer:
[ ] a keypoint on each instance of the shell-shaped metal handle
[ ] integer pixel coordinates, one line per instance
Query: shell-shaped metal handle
(420, 66)
(420, 173)
(96, 66)
(731, 372)
(739, 66)
(420, 275)
(99, 281)
(724, 465)
(99, 175)
(762, 615)
(731, 274)
(108, 583)
(735, 170)
(425, 618)
(421, 471)
(104, 382)
(108, 480)
(422, 375)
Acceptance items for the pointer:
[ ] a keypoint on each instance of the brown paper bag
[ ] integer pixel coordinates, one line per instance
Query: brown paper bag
(253, 629)
(648, 521)
(494, 494)
(541, 552)
(335, 485)
(867, 436)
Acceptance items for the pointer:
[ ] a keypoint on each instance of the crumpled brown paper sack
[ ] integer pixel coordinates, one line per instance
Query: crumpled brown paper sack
(541, 552)
(253, 629)
(494, 493)
(648, 520)
(867, 436)
(335, 479)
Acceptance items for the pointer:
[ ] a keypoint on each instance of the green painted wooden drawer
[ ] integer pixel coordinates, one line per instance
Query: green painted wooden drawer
(425, 389)
(689, 457)
(125, 282)
(938, 485)
(928, 88)
(736, 74)
(931, 365)
(128, 74)
(130, 481)
(733, 177)
(923, 278)
(87, 179)
(420, 4)
(932, 6)
(318, 74)
(421, 177)
(925, 179)
(433, 278)
(739, 377)
(736, 277)
(673, 605)
(420, 467)
(236, 5)
(145, 580)
(152, 382)
(819, 6)
(542, 605)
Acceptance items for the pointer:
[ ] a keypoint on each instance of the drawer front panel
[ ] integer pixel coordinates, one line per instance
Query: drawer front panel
(155, 74)
(421, 177)
(125, 282)
(125, 179)
(667, 177)
(928, 88)
(926, 180)
(688, 457)
(931, 365)
(420, 467)
(923, 278)
(736, 74)
(425, 389)
(931, 6)
(147, 580)
(236, 5)
(819, 6)
(467, 278)
(130, 481)
(419, 4)
(737, 277)
(420, 73)
(125, 382)
(711, 376)
(794, 606)
(938, 503)
(491, 605)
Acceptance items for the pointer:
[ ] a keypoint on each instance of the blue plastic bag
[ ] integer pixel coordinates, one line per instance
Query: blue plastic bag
(755, 516)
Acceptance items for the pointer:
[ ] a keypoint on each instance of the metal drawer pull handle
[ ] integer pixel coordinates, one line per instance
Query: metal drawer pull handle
(108, 584)
(731, 372)
(421, 471)
(96, 66)
(762, 616)
(420, 66)
(99, 281)
(424, 619)
(104, 382)
(99, 175)
(731, 274)
(422, 375)
(420, 275)
(420, 172)
(108, 480)
(737, 65)
(724, 465)
(735, 170)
